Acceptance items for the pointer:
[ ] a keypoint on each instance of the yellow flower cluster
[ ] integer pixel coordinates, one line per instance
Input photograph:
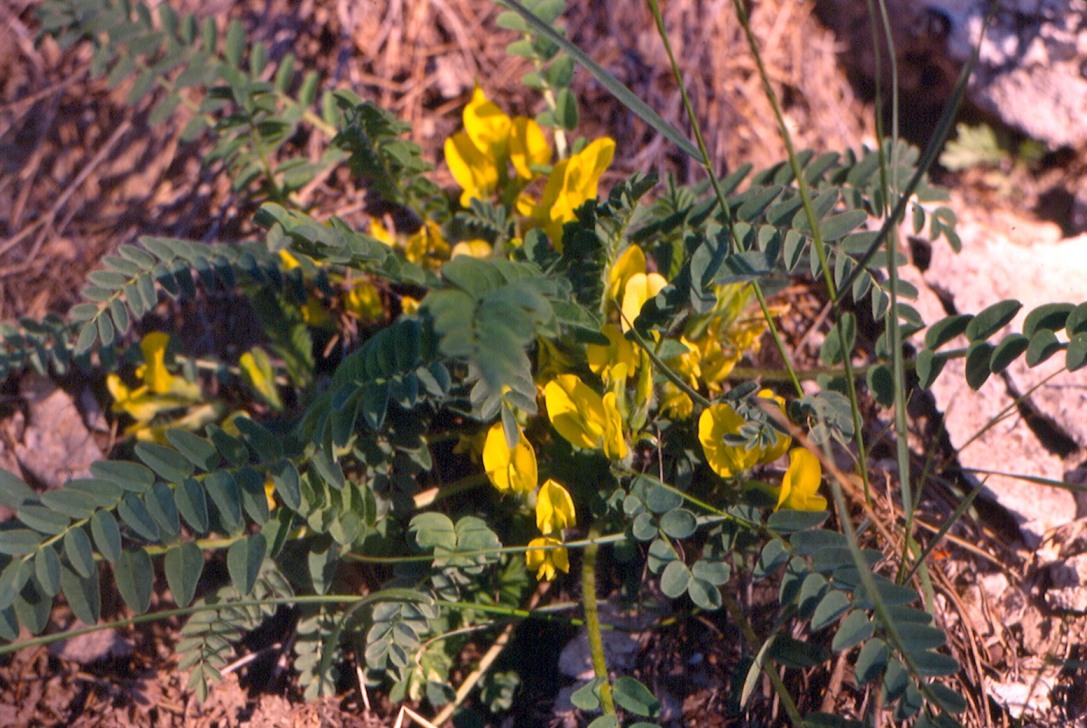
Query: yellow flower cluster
(161, 392)
(480, 158)
(799, 486)
(515, 469)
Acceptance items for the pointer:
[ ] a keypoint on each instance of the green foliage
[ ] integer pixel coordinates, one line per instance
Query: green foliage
(393, 167)
(1037, 343)
(173, 58)
(128, 285)
(208, 637)
(486, 314)
(984, 146)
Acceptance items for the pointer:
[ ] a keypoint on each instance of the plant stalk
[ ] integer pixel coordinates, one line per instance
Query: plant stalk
(592, 622)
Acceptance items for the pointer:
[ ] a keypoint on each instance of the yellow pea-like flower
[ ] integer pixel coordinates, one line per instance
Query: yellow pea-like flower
(727, 460)
(639, 288)
(364, 302)
(547, 562)
(583, 417)
(472, 168)
(573, 181)
(154, 370)
(629, 262)
(487, 126)
(614, 361)
(509, 469)
(528, 147)
(473, 249)
(554, 508)
(800, 486)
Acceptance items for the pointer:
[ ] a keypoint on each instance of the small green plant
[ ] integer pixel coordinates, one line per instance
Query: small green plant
(983, 146)
(582, 351)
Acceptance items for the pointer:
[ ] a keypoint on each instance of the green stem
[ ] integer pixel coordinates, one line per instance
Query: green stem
(707, 164)
(666, 370)
(736, 612)
(592, 622)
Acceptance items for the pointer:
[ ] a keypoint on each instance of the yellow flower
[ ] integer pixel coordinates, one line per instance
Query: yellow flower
(315, 314)
(614, 361)
(800, 486)
(528, 147)
(427, 245)
(161, 391)
(573, 181)
(629, 262)
(364, 302)
(720, 340)
(583, 417)
(546, 562)
(154, 371)
(487, 126)
(509, 469)
(554, 508)
(479, 155)
(630, 286)
(675, 403)
(289, 261)
(381, 233)
(640, 288)
(474, 171)
(472, 248)
(727, 460)
(270, 493)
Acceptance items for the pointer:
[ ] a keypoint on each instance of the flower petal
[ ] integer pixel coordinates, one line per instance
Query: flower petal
(576, 411)
(615, 361)
(487, 126)
(554, 508)
(474, 171)
(155, 373)
(726, 460)
(509, 469)
(639, 289)
(800, 485)
(528, 147)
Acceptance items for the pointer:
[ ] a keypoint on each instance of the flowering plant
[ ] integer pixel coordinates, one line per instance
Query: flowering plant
(587, 356)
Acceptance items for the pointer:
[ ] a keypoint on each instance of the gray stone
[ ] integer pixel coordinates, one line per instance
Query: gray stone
(1012, 258)
(1031, 66)
(54, 445)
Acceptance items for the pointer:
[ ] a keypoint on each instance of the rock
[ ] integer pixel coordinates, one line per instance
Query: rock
(1060, 568)
(54, 445)
(1026, 693)
(1030, 71)
(1045, 435)
(87, 648)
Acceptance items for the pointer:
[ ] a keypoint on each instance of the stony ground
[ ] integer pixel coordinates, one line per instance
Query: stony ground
(81, 172)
